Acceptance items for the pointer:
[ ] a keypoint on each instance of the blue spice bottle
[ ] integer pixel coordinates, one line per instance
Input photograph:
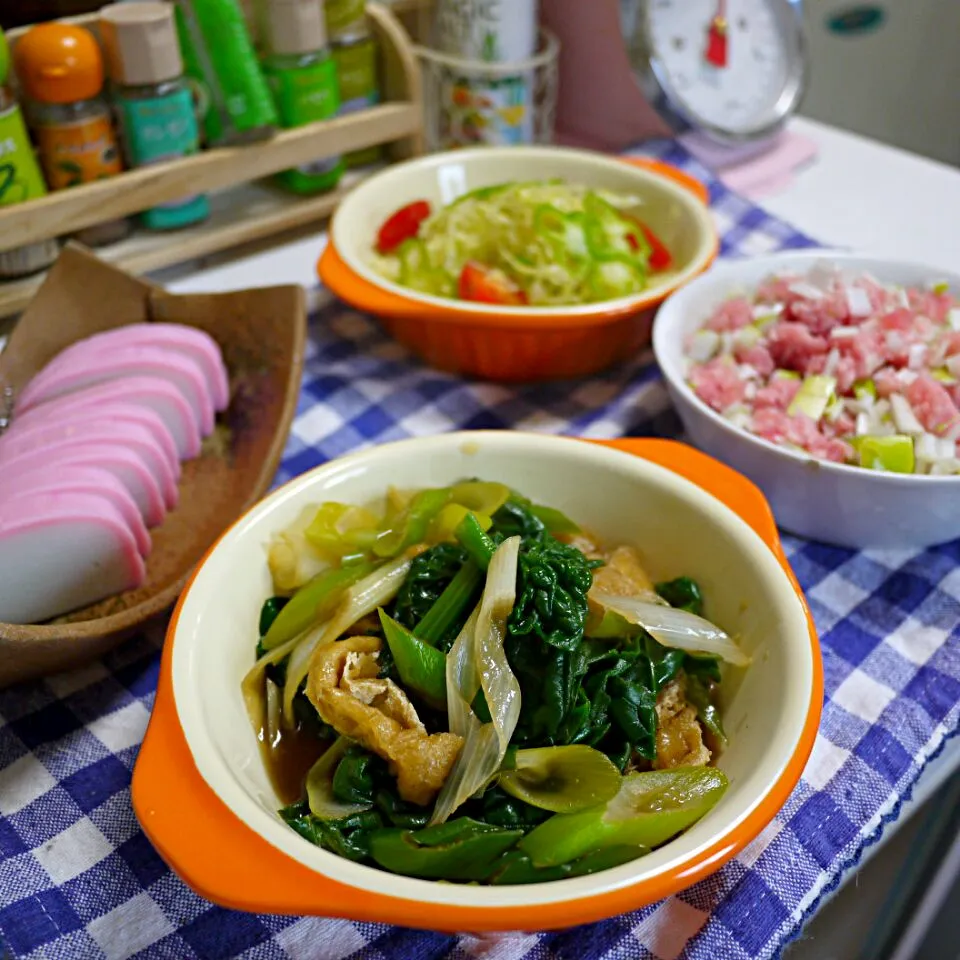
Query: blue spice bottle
(153, 103)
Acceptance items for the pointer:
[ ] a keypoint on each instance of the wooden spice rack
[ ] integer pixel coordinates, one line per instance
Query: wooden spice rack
(253, 210)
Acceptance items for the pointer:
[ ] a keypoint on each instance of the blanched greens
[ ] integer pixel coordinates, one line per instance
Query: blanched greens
(488, 622)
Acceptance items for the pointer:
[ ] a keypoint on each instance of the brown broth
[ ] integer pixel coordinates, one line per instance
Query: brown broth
(290, 760)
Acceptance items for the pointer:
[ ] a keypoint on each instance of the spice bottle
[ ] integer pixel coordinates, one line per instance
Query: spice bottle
(61, 72)
(345, 19)
(356, 57)
(218, 54)
(20, 179)
(303, 78)
(152, 101)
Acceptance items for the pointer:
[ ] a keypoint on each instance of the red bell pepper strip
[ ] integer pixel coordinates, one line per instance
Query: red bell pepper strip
(402, 225)
(660, 257)
(481, 285)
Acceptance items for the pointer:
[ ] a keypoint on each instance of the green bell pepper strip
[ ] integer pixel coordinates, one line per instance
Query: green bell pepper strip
(422, 668)
(412, 525)
(418, 273)
(607, 231)
(616, 275)
(450, 605)
(565, 232)
(461, 849)
(473, 539)
(313, 602)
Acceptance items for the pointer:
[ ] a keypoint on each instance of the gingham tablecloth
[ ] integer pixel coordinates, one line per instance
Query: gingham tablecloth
(78, 879)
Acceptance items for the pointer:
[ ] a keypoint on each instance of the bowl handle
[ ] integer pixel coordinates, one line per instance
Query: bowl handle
(697, 187)
(342, 282)
(729, 487)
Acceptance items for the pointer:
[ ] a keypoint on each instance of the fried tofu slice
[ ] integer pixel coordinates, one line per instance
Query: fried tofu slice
(679, 734)
(344, 687)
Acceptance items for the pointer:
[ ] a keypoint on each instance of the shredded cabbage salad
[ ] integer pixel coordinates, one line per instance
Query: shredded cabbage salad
(542, 243)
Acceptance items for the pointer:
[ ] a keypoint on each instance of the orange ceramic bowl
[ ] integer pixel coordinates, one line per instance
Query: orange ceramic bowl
(520, 343)
(199, 787)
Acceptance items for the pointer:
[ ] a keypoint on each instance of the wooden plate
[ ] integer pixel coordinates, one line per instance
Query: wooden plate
(261, 333)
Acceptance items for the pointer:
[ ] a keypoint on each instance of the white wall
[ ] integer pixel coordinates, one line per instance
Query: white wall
(899, 83)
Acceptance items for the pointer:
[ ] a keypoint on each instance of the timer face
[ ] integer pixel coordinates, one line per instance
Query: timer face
(732, 67)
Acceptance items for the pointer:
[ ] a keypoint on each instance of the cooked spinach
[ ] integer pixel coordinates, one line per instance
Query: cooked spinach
(430, 574)
(599, 692)
(683, 593)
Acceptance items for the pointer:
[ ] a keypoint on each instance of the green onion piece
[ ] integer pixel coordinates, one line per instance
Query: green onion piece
(813, 397)
(422, 668)
(451, 604)
(474, 540)
(313, 603)
(865, 388)
(893, 454)
(412, 525)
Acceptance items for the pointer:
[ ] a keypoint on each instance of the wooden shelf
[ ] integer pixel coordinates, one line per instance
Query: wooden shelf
(242, 210)
(239, 216)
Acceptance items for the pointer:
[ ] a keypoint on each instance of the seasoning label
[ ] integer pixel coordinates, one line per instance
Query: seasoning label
(356, 69)
(495, 112)
(20, 177)
(159, 128)
(78, 152)
(305, 94)
(156, 129)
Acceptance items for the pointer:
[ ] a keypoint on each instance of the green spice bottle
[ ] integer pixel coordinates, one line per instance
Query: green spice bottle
(20, 179)
(303, 78)
(152, 102)
(218, 55)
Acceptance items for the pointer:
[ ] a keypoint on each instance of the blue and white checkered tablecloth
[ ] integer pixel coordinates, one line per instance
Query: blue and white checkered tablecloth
(78, 879)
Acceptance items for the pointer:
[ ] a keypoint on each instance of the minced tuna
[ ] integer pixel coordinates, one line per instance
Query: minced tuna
(844, 368)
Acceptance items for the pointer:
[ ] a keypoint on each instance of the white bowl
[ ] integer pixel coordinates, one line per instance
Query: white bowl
(834, 503)
(771, 709)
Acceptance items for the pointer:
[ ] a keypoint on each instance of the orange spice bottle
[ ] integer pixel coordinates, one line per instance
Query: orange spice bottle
(60, 67)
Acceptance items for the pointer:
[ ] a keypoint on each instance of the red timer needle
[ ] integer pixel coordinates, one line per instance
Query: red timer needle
(717, 51)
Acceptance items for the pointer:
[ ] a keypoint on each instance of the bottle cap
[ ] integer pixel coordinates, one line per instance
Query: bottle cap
(140, 43)
(58, 63)
(294, 26)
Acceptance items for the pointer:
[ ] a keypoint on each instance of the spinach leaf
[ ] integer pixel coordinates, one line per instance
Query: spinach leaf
(552, 581)
(683, 593)
(363, 777)
(348, 837)
(514, 519)
(430, 574)
(502, 810)
(353, 778)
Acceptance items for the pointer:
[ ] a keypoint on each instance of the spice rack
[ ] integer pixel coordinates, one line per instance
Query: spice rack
(247, 210)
